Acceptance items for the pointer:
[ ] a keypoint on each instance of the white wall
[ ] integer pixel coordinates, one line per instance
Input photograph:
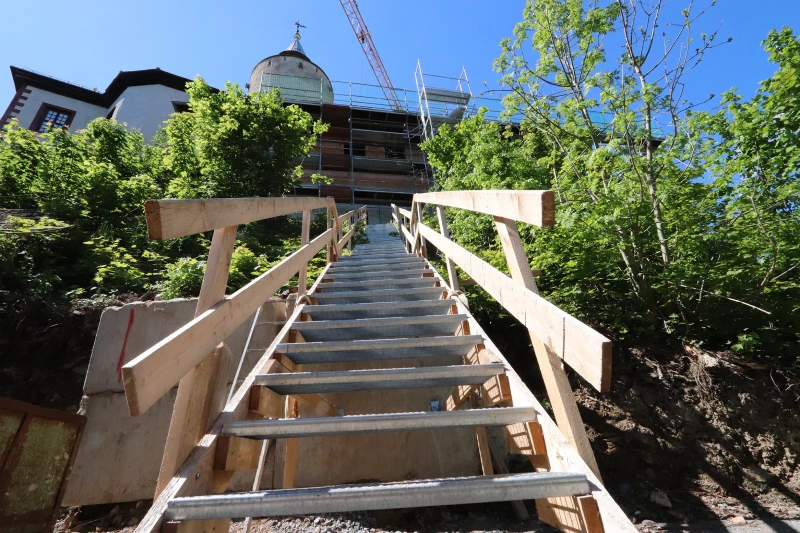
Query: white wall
(84, 113)
(146, 107)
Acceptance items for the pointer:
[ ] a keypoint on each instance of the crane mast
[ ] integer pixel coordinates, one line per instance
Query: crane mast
(368, 46)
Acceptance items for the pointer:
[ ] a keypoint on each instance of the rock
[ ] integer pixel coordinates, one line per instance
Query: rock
(661, 499)
(114, 510)
(649, 523)
(81, 369)
(317, 520)
(625, 488)
(738, 520)
(133, 522)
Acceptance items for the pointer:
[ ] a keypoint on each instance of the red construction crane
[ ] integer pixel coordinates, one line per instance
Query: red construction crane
(362, 34)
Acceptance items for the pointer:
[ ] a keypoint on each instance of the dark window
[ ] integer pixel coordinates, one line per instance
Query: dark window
(52, 116)
(112, 111)
(180, 107)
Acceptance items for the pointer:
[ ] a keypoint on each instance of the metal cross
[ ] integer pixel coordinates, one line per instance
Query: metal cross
(298, 26)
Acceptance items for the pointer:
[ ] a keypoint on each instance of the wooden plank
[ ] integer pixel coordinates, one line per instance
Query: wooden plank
(150, 375)
(305, 236)
(290, 455)
(168, 219)
(196, 476)
(346, 239)
(404, 212)
(194, 407)
(483, 451)
(408, 238)
(451, 266)
(555, 378)
(236, 453)
(266, 403)
(533, 207)
(348, 215)
(423, 247)
(590, 514)
(584, 349)
(459, 396)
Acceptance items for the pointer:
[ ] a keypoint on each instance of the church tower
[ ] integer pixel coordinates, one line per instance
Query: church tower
(299, 79)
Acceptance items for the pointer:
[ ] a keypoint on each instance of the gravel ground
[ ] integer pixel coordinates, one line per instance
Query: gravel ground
(483, 518)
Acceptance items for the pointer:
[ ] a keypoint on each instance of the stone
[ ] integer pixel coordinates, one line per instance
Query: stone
(661, 499)
(738, 520)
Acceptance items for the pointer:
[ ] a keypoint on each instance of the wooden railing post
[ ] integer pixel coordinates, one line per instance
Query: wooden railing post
(422, 246)
(195, 407)
(305, 236)
(451, 266)
(555, 379)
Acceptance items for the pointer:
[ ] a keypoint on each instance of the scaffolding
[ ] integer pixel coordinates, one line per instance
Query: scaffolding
(371, 150)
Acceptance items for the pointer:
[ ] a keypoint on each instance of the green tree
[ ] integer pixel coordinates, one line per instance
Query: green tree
(752, 151)
(235, 145)
(668, 219)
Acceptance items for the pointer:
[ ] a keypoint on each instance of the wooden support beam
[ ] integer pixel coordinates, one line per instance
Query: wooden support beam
(194, 406)
(585, 350)
(197, 476)
(236, 453)
(561, 456)
(451, 266)
(168, 219)
(305, 237)
(290, 456)
(590, 513)
(555, 378)
(533, 207)
(423, 247)
(345, 240)
(266, 403)
(153, 373)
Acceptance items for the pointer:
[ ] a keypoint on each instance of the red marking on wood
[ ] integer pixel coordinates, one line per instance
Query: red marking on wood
(121, 360)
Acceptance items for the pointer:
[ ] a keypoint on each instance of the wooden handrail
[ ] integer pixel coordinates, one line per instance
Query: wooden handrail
(168, 219)
(533, 207)
(153, 373)
(585, 350)
(556, 336)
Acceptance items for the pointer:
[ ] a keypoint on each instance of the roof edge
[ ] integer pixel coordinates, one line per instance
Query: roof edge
(122, 81)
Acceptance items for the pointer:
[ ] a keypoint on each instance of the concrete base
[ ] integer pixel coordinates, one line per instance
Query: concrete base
(119, 456)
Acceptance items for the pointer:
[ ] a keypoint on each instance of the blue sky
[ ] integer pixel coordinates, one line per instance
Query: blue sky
(89, 41)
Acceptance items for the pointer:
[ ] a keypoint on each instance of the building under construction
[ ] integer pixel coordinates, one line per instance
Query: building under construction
(371, 151)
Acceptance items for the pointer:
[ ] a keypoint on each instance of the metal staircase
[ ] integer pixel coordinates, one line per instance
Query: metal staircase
(379, 378)
(379, 304)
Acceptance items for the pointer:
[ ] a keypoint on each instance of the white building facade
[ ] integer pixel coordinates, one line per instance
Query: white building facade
(143, 99)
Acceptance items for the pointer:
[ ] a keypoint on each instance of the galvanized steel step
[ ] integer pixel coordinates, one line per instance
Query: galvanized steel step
(285, 428)
(381, 379)
(376, 496)
(381, 295)
(379, 328)
(371, 350)
(377, 275)
(369, 262)
(365, 285)
(337, 311)
(333, 270)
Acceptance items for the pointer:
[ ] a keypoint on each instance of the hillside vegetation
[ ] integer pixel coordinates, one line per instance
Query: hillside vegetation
(670, 220)
(73, 229)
